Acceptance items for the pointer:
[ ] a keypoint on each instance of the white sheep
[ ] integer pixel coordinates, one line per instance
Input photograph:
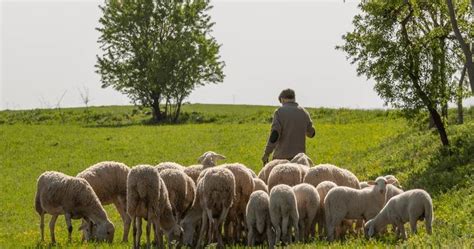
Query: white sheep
(363, 185)
(290, 174)
(322, 188)
(58, 194)
(307, 199)
(147, 197)
(259, 184)
(283, 212)
(347, 203)
(328, 172)
(206, 160)
(302, 158)
(265, 171)
(244, 185)
(216, 191)
(394, 181)
(258, 218)
(109, 181)
(176, 183)
(410, 206)
(169, 165)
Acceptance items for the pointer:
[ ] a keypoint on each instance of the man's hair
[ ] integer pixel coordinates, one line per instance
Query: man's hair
(287, 94)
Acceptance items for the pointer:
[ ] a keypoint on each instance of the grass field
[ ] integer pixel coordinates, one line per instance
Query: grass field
(367, 142)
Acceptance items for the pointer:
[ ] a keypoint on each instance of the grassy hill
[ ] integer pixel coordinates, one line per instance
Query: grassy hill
(367, 142)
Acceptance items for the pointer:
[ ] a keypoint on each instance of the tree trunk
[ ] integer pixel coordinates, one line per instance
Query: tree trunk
(439, 126)
(155, 108)
(178, 109)
(460, 119)
(464, 46)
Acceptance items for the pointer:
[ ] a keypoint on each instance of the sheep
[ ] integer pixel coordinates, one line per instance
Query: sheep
(169, 165)
(258, 218)
(347, 203)
(216, 191)
(307, 199)
(206, 160)
(410, 206)
(244, 186)
(259, 185)
(283, 212)
(395, 181)
(290, 174)
(265, 171)
(147, 197)
(252, 173)
(328, 172)
(109, 181)
(322, 188)
(58, 194)
(363, 185)
(176, 183)
(302, 158)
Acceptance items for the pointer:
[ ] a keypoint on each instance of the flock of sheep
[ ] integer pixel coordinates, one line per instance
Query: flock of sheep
(193, 205)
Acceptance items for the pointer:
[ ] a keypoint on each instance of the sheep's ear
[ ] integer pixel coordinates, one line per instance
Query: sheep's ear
(371, 182)
(219, 156)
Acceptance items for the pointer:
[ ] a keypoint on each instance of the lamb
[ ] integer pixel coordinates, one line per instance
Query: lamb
(347, 203)
(244, 186)
(396, 183)
(302, 158)
(265, 171)
(410, 206)
(177, 185)
(109, 181)
(290, 174)
(216, 191)
(258, 218)
(259, 185)
(328, 172)
(169, 165)
(307, 199)
(283, 212)
(206, 160)
(147, 197)
(74, 197)
(322, 188)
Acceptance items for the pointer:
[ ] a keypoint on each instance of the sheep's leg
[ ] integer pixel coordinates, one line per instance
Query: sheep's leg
(294, 219)
(413, 225)
(428, 225)
(52, 223)
(121, 206)
(148, 227)
(275, 219)
(271, 242)
(139, 230)
(251, 237)
(134, 231)
(202, 234)
(67, 216)
(218, 225)
(401, 229)
(42, 226)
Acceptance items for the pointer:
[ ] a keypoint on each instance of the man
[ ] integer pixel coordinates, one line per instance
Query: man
(291, 124)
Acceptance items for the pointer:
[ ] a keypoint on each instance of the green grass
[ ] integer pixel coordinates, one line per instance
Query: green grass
(367, 142)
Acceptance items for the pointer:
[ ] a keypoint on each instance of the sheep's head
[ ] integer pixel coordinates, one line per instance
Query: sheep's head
(394, 181)
(104, 231)
(189, 224)
(369, 228)
(209, 159)
(380, 184)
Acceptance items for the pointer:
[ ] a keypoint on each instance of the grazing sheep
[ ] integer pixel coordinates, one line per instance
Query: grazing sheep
(283, 212)
(176, 184)
(323, 188)
(147, 197)
(307, 199)
(235, 222)
(392, 191)
(410, 206)
(208, 159)
(290, 174)
(109, 182)
(265, 171)
(347, 203)
(58, 194)
(169, 165)
(303, 159)
(216, 191)
(259, 185)
(258, 218)
(328, 172)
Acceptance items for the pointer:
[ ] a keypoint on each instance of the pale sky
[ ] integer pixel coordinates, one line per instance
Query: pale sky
(49, 48)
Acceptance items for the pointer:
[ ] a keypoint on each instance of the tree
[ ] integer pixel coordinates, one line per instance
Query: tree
(158, 51)
(405, 46)
(468, 53)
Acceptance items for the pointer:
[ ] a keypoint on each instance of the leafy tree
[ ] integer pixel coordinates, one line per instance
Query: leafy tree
(407, 48)
(158, 51)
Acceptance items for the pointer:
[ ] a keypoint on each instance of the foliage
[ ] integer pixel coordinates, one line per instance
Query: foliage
(406, 47)
(158, 51)
(381, 143)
